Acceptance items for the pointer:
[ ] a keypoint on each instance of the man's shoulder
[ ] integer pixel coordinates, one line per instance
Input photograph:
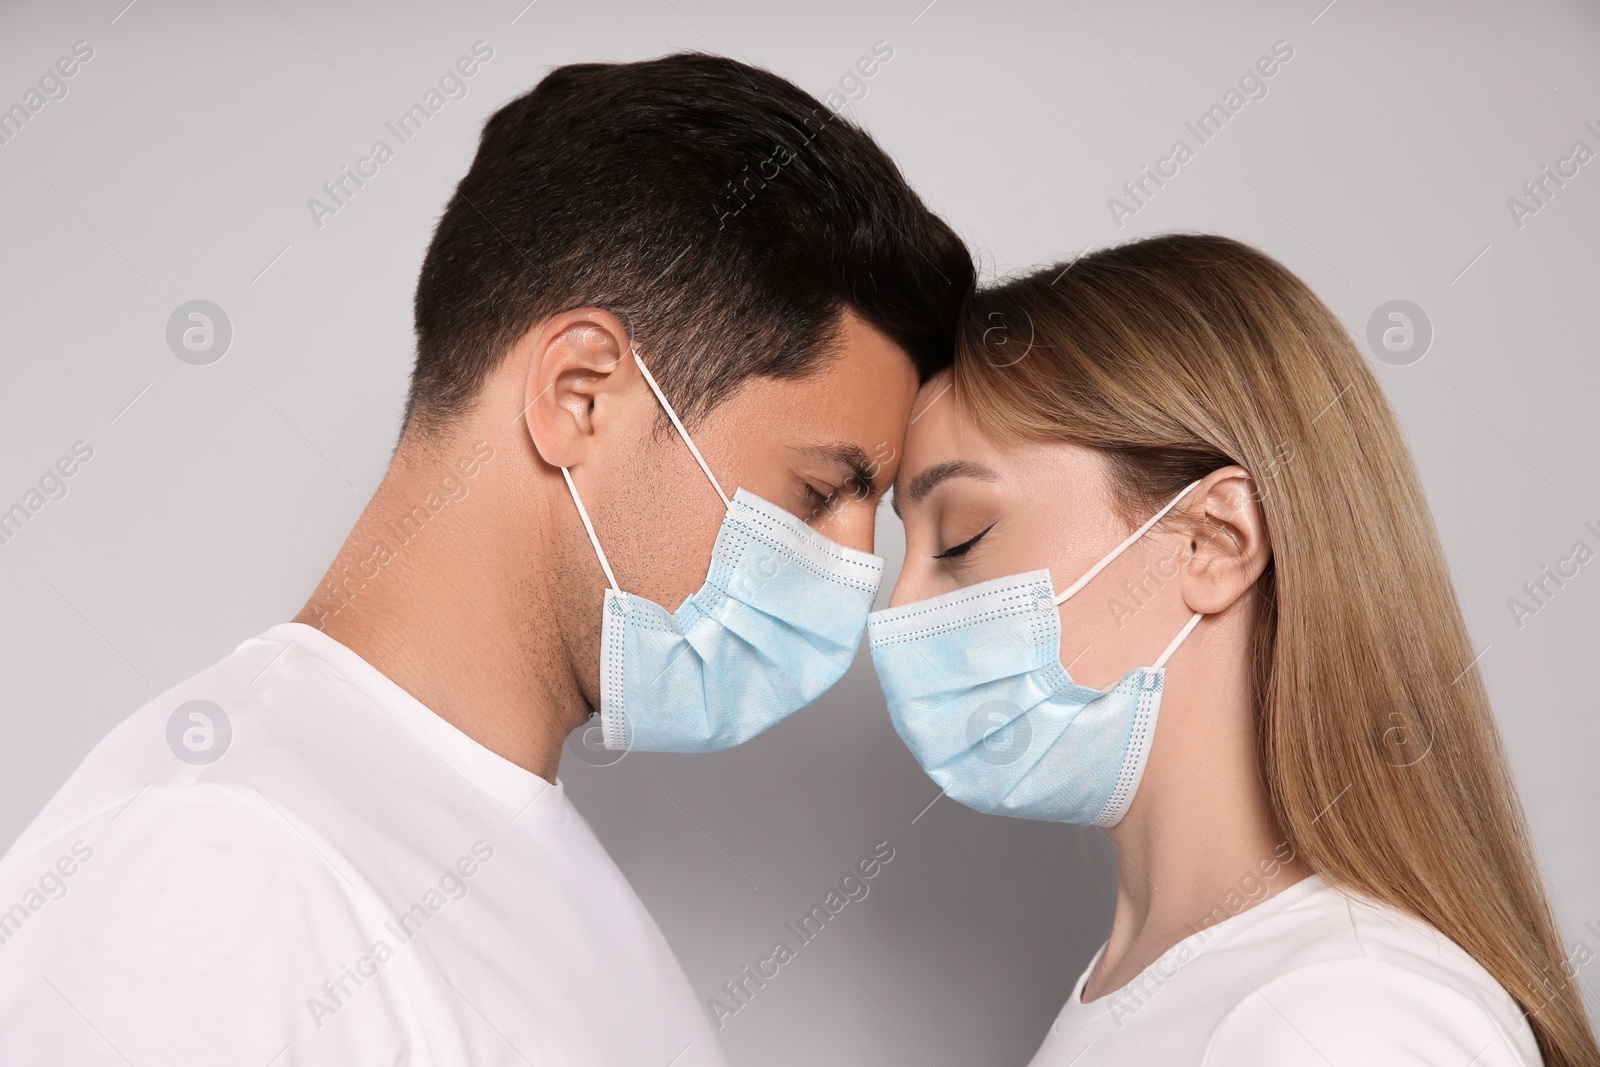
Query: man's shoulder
(230, 911)
(189, 734)
(225, 841)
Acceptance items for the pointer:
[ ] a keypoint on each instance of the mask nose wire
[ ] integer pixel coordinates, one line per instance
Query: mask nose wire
(650, 380)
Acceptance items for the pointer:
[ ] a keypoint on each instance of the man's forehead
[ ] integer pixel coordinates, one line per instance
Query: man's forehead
(868, 407)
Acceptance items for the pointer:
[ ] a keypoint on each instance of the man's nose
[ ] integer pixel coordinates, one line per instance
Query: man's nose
(851, 523)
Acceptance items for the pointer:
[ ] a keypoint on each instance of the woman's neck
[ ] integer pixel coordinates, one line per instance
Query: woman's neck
(1199, 844)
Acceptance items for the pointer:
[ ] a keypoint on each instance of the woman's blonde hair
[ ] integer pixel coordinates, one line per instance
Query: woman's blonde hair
(1181, 354)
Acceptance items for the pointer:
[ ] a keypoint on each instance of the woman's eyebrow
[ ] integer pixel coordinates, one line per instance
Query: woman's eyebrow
(928, 478)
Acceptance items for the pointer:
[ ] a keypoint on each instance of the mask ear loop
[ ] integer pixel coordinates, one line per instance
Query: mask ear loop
(588, 527)
(1188, 628)
(1061, 598)
(583, 513)
(1194, 620)
(650, 380)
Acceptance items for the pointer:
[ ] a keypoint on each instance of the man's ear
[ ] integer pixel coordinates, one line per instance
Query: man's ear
(580, 366)
(1228, 546)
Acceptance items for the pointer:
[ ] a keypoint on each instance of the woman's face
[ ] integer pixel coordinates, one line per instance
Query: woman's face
(976, 509)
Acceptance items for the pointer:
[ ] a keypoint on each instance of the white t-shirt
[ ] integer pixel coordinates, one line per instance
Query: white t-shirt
(352, 881)
(1312, 977)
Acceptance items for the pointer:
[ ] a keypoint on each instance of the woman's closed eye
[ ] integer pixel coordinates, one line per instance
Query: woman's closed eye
(964, 547)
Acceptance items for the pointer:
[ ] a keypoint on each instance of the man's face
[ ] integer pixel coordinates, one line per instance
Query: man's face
(825, 447)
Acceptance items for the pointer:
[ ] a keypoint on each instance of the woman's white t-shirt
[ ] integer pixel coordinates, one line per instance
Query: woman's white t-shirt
(1312, 977)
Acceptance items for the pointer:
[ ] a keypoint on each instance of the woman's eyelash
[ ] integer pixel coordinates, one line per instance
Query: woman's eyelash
(965, 546)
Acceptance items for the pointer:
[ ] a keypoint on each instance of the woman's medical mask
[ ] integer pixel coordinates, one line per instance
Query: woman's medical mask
(977, 692)
(776, 623)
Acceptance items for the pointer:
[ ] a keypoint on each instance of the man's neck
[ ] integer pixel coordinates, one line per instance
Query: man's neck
(435, 589)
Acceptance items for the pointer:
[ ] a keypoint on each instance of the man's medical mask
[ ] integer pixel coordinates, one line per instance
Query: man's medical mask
(776, 623)
(977, 692)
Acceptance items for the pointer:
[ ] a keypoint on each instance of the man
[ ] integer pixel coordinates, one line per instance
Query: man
(346, 842)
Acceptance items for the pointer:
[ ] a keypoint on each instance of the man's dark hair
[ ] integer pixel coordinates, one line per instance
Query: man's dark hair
(720, 211)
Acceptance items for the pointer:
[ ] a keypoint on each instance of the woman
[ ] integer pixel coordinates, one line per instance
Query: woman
(1321, 858)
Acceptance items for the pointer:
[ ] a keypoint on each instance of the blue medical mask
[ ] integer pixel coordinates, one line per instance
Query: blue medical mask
(776, 623)
(978, 693)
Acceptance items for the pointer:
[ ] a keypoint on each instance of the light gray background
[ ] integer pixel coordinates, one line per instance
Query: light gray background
(179, 165)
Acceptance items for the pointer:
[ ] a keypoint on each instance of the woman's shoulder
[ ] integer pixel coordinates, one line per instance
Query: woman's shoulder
(1349, 980)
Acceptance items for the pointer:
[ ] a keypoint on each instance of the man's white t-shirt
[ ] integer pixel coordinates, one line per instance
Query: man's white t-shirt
(1311, 977)
(351, 881)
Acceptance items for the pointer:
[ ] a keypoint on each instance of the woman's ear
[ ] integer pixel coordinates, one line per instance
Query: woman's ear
(580, 365)
(1228, 544)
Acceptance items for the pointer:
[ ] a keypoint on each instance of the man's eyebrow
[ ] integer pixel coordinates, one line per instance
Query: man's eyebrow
(925, 481)
(862, 478)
